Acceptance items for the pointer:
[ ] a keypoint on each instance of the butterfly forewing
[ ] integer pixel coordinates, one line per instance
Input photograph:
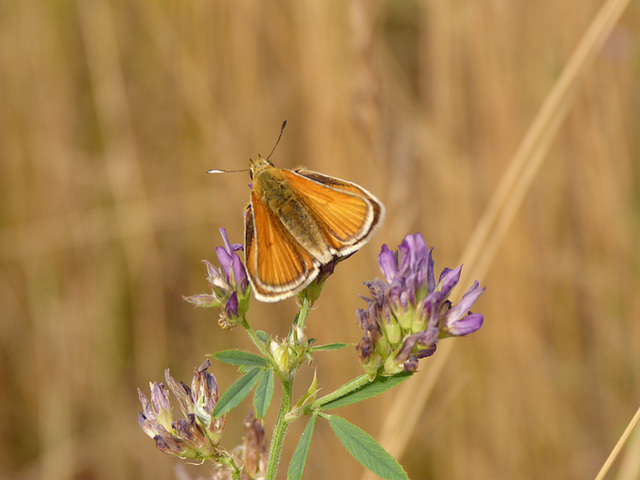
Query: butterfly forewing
(276, 263)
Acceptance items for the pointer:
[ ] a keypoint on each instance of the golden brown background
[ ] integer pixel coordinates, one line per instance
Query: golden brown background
(111, 112)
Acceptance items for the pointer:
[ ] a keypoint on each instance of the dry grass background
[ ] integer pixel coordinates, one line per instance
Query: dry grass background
(110, 112)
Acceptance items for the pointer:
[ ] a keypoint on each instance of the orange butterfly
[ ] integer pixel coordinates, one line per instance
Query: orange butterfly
(298, 221)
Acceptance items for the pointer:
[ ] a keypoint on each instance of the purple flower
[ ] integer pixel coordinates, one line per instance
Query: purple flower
(195, 436)
(408, 312)
(229, 285)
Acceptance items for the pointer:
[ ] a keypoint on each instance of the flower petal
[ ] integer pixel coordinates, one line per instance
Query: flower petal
(231, 307)
(147, 408)
(159, 398)
(239, 273)
(146, 425)
(226, 261)
(449, 279)
(203, 300)
(431, 282)
(230, 247)
(466, 325)
(468, 299)
(182, 393)
(387, 262)
(225, 239)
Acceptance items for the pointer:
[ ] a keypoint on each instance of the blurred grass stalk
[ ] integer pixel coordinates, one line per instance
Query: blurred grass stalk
(411, 399)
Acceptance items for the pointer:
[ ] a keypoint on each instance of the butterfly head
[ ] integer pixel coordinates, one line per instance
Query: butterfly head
(258, 165)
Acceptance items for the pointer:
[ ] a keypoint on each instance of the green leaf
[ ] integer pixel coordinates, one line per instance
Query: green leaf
(240, 357)
(329, 346)
(379, 385)
(299, 458)
(236, 392)
(264, 393)
(263, 337)
(366, 450)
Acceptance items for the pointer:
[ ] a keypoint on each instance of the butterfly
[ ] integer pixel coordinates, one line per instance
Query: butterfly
(299, 221)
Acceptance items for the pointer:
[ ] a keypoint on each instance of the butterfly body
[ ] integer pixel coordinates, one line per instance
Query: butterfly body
(299, 220)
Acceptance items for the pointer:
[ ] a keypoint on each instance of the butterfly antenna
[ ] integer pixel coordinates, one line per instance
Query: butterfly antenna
(217, 170)
(284, 124)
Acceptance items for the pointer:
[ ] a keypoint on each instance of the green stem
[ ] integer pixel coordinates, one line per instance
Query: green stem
(305, 308)
(280, 430)
(348, 387)
(257, 342)
(282, 425)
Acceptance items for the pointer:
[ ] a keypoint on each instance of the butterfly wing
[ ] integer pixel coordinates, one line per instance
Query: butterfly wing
(347, 214)
(277, 265)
